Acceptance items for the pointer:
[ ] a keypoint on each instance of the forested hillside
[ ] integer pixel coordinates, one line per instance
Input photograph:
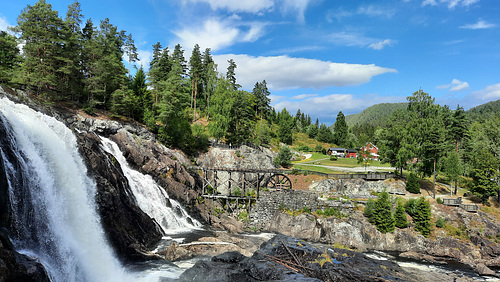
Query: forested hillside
(377, 115)
(484, 111)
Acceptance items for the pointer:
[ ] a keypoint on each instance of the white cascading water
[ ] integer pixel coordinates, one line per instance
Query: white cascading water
(55, 213)
(152, 198)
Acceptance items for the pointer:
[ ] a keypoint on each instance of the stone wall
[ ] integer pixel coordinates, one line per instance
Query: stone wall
(270, 202)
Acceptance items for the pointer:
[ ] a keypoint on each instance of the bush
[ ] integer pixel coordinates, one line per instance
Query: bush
(439, 201)
(412, 185)
(304, 148)
(323, 151)
(318, 148)
(440, 222)
(333, 158)
(284, 157)
(411, 207)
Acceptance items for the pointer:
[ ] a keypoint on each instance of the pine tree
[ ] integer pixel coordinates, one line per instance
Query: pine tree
(400, 216)
(231, 74)
(324, 134)
(262, 101)
(195, 73)
(382, 214)
(9, 56)
(40, 28)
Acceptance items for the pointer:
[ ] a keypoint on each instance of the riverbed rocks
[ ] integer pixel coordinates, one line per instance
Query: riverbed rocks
(357, 233)
(221, 243)
(284, 258)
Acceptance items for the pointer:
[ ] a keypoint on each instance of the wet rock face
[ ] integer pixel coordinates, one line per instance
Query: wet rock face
(129, 230)
(287, 259)
(167, 167)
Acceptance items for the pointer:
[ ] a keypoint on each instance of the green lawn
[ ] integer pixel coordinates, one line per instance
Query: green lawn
(318, 158)
(316, 168)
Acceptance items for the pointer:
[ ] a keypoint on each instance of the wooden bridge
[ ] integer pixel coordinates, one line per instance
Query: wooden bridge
(458, 203)
(241, 183)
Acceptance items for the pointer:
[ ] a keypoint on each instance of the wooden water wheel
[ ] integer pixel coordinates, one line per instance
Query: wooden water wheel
(278, 182)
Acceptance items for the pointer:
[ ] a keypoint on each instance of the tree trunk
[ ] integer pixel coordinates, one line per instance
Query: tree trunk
(195, 94)
(456, 186)
(434, 180)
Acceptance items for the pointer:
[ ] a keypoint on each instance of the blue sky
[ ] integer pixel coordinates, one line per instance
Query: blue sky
(323, 56)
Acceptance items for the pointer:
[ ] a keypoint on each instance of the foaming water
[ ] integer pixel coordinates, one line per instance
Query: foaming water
(152, 198)
(54, 215)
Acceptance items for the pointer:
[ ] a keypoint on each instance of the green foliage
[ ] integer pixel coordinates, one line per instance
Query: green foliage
(325, 135)
(382, 214)
(484, 111)
(400, 216)
(9, 56)
(284, 157)
(422, 217)
(304, 148)
(369, 209)
(411, 207)
(332, 211)
(440, 222)
(285, 127)
(439, 201)
(333, 158)
(412, 184)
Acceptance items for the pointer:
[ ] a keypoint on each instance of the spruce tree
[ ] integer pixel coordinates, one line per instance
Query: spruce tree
(368, 210)
(400, 216)
(382, 214)
(340, 130)
(412, 184)
(422, 217)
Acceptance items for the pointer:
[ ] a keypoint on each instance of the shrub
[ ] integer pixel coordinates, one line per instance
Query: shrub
(318, 148)
(411, 207)
(440, 222)
(400, 216)
(323, 151)
(412, 184)
(439, 201)
(304, 148)
(333, 158)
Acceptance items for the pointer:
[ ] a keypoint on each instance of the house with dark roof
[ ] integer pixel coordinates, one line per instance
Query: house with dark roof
(339, 152)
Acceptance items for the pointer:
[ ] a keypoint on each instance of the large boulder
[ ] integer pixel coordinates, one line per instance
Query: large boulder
(130, 231)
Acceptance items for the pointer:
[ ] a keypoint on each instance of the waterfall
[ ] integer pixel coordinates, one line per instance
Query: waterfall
(152, 198)
(54, 212)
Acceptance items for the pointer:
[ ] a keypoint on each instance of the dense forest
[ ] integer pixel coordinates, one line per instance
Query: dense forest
(79, 62)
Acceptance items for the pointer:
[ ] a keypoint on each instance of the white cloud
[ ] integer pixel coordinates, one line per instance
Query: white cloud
(144, 58)
(3, 24)
(212, 34)
(455, 85)
(376, 11)
(355, 39)
(381, 44)
(296, 6)
(491, 92)
(451, 4)
(248, 6)
(283, 72)
(303, 96)
(479, 25)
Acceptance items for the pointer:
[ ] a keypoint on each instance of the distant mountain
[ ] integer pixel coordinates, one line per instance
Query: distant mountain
(483, 111)
(376, 115)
